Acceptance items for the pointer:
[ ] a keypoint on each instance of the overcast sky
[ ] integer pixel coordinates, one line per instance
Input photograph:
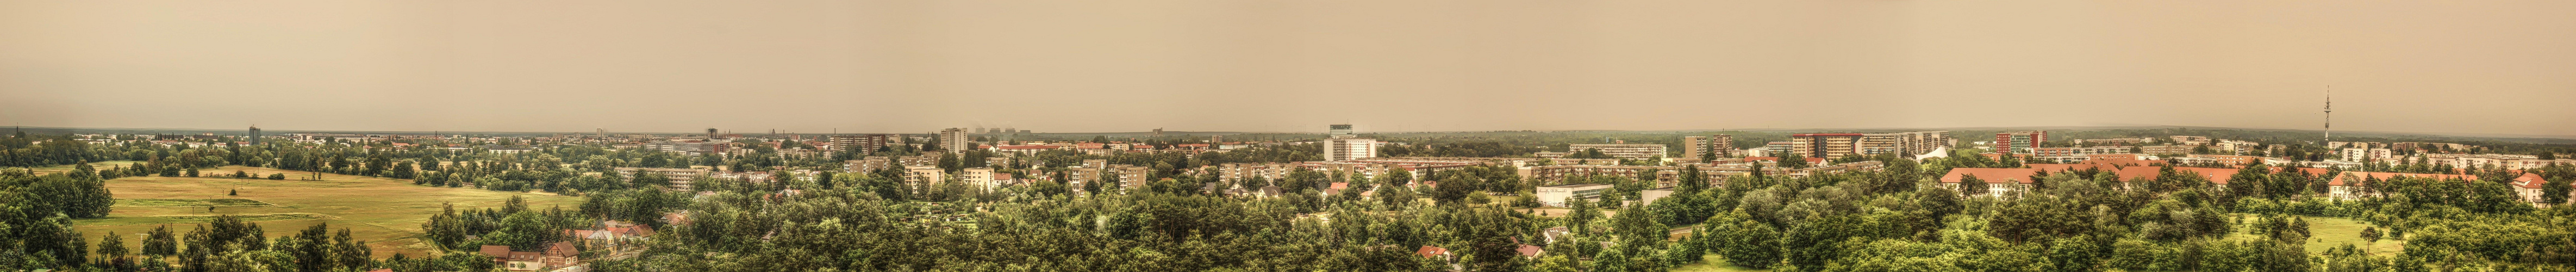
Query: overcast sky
(2501, 67)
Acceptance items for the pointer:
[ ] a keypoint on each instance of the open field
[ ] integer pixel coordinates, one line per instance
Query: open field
(385, 212)
(94, 165)
(1713, 263)
(218, 202)
(2329, 232)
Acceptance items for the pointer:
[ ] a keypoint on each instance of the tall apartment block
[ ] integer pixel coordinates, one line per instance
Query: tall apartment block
(864, 143)
(1836, 145)
(254, 135)
(1341, 144)
(954, 140)
(1825, 145)
(1696, 146)
(2019, 142)
(1905, 143)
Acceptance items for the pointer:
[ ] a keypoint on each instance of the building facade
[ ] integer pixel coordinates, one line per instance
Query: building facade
(1824, 145)
(954, 140)
(1623, 151)
(1343, 149)
(2020, 142)
(1719, 145)
(864, 143)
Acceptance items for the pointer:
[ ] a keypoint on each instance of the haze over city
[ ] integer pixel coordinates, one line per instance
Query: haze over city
(2485, 67)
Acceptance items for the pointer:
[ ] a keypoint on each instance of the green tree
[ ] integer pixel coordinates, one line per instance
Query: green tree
(161, 242)
(111, 246)
(1970, 185)
(1745, 242)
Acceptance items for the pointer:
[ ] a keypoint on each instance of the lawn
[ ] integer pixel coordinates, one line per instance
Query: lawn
(385, 212)
(2329, 232)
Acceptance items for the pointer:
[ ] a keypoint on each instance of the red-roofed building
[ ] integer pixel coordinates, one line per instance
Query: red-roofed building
(2529, 187)
(1432, 252)
(513, 260)
(1999, 181)
(560, 254)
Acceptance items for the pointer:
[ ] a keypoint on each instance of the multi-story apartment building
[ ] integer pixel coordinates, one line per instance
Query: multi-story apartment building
(679, 177)
(2114, 141)
(1340, 143)
(864, 165)
(1341, 149)
(1128, 175)
(980, 177)
(2512, 162)
(2236, 147)
(864, 143)
(1716, 174)
(1822, 145)
(2189, 140)
(2166, 149)
(924, 175)
(1700, 146)
(955, 140)
(2020, 142)
(692, 148)
(2234, 160)
(1623, 151)
(1918, 142)
(1025, 150)
(2078, 151)
(2368, 154)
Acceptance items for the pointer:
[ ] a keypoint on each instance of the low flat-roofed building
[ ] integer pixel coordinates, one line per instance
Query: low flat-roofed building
(1560, 194)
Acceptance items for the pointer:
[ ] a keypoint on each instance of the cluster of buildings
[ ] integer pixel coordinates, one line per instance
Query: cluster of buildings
(1618, 150)
(611, 239)
(1716, 174)
(2006, 182)
(1837, 145)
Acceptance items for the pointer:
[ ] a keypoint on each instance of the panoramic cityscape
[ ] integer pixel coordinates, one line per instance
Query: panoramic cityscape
(1620, 136)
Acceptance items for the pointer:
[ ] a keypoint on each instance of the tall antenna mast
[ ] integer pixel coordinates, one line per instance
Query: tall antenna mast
(2329, 113)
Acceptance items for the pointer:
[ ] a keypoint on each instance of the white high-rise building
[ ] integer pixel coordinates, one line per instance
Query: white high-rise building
(1341, 144)
(1343, 149)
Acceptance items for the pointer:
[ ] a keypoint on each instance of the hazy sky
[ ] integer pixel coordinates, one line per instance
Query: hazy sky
(1093, 66)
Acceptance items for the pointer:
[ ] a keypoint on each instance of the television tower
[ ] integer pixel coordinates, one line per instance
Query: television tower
(2329, 114)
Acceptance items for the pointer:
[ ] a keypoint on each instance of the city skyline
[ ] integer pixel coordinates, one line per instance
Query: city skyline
(2425, 67)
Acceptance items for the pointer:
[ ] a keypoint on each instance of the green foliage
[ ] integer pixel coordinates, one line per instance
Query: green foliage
(1745, 242)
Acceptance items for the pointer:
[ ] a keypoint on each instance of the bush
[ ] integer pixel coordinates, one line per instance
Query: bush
(277, 176)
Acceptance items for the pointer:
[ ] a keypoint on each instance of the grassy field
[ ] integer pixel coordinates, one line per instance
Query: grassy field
(385, 212)
(218, 202)
(1713, 263)
(2330, 232)
(94, 165)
